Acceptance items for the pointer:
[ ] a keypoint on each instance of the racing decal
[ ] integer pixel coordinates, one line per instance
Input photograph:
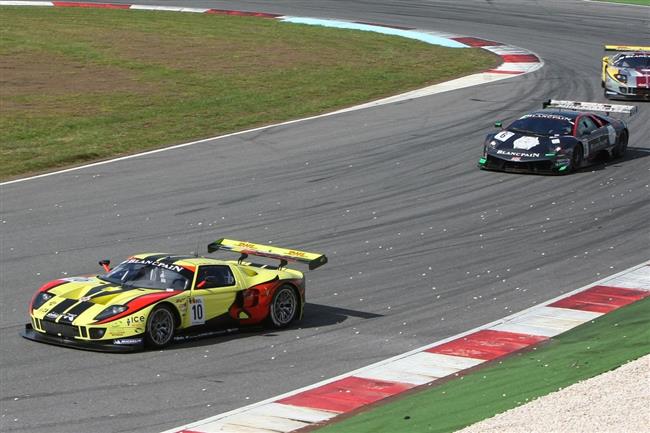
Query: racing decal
(75, 311)
(136, 320)
(78, 279)
(547, 116)
(175, 268)
(611, 134)
(137, 304)
(95, 290)
(128, 341)
(643, 82)
(504, 135)
(555, 140)
(525, 143)
(197, 311)
(60, 308)
(518, 154)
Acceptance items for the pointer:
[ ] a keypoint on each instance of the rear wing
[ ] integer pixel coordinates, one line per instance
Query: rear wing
(627, 48)
(314, 260)
(590, 106)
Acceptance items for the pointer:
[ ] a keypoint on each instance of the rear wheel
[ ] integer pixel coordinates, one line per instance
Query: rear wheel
(284, 307)
(160, 327)
(621, 146)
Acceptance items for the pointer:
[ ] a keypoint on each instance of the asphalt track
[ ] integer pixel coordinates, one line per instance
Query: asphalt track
(422, 244)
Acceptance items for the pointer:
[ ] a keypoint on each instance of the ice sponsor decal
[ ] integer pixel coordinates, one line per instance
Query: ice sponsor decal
(519, 155)
(504, 135)
(135, 319)
(525, 143)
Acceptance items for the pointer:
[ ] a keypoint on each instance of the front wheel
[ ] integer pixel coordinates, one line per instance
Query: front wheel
(576, 158)
(160, 327)
(284, 307)
(621, 146)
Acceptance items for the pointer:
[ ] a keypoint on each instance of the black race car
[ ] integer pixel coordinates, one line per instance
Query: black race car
(560, 138)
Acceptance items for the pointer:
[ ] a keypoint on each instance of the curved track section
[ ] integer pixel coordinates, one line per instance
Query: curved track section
(422, 244)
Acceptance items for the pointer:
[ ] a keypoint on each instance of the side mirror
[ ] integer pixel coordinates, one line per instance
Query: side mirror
(210, 279)
(106, 264)
(498, 124)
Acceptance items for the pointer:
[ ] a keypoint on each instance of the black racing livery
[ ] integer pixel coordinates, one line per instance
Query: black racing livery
(560, 138)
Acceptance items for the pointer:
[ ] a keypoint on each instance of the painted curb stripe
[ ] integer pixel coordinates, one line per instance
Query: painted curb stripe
(346, 395)
(520, 58)
(476, 42)
(601, 299)
(419, 368)
(422, 366)
(487, 344)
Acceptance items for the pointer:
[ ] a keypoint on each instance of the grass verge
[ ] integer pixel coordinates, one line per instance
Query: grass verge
(84, 84)
(630, 2)
(584, 352)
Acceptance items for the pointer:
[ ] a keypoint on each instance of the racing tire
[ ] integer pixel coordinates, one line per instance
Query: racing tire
(161, 326)
(621, 146)
(576, 159)
(284, 307)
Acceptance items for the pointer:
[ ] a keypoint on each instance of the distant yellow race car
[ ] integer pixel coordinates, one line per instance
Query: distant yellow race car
(626, 75)
(150, 300)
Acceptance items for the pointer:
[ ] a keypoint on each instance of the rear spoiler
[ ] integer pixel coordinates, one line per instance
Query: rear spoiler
(314, 260)
(590, 106)
(628, 48)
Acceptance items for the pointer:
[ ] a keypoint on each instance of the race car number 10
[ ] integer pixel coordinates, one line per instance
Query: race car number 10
(197, 311)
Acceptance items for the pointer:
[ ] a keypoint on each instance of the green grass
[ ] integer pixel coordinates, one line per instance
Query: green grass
(584, 352)
(631, 2)
(86, 84)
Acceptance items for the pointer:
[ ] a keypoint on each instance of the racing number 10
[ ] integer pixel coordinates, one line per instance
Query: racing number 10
(197, 311)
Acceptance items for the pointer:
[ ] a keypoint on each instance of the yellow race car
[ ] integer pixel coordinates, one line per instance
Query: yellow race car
(150, 300)
(626, 74)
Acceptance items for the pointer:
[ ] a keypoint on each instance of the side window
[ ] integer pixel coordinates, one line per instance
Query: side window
(585, 126)
(598, 121)
(214, 276)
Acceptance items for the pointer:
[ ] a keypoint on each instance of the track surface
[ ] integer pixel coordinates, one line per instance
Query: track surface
(422, 245)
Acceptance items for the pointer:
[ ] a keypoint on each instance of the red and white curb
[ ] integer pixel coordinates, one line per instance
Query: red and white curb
(328, 399)
(516, 61)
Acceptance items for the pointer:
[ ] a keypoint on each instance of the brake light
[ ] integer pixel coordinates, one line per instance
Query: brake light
(251, 298)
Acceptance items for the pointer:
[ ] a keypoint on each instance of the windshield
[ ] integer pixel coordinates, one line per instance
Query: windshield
(149, 274)
(638, 62)
(543, 124)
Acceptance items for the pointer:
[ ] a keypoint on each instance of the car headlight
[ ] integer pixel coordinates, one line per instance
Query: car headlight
(40, 299)
(621, 77)
(111, 311)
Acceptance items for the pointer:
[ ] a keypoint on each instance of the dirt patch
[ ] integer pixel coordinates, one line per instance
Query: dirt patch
(24, 77)
(228, 56)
